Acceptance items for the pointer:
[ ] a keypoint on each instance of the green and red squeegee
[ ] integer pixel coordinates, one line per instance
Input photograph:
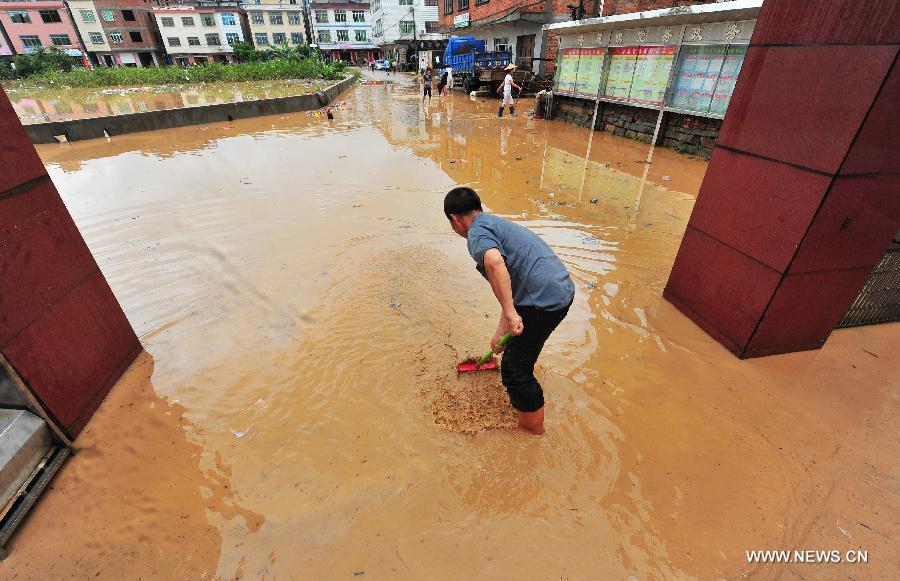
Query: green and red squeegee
(485, 363)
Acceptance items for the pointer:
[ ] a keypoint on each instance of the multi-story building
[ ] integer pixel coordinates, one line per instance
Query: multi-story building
(45, 23)
(506, 25)
(403, 28)
(343, 29)
(87, 21)
(276, 22)
(202, 33)
(130, 30)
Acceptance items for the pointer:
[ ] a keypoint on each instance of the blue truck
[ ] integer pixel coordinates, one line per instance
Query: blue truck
(475, 68)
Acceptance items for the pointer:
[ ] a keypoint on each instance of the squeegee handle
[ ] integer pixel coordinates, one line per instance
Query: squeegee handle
(501, 343)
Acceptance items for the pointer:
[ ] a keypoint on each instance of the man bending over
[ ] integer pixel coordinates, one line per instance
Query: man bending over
(532, 286)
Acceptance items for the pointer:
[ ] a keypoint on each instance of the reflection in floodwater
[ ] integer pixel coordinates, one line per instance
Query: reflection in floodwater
(305, 303)
(42, 105)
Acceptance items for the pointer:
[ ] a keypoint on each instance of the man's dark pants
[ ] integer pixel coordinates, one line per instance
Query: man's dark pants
(517, 368)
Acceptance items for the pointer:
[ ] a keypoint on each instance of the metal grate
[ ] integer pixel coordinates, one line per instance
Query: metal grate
(879, 299)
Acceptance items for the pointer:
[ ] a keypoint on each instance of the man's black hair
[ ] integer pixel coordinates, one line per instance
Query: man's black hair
(461, 200)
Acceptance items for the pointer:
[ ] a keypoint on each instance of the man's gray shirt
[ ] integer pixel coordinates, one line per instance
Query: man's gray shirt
(539, 278)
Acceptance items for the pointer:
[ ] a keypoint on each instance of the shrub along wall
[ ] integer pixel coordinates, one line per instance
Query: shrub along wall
(684, 133)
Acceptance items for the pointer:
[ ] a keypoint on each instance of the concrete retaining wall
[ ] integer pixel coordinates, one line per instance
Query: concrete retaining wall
(77, 129)
(685, 133)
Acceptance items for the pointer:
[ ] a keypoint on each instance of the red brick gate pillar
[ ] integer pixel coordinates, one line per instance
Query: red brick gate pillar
(61, 329)
(802, 194)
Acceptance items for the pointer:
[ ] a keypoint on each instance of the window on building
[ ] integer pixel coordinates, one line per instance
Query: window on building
(292, 2)
(448, 6)
(31, 40)
(187, 20)
(293, 18)
(343, 36)
(433, 2)
(279, 38)
(296, 38)
(340, 16)
(167, 21)
(108, 15)
(360, 35)
(213, 40)
(208, 19)
(232, 37)
(359, 16)
(193, 41)
(376, 6)
(480, 2)
(50, 15)
(324, 36)
(96, 38)
(256, 18)
(19, 16)
(115, 37)
(462, 5)
(406, 2)
(261, 38)
(378, 27)
(275, 18)
(407, 26)
(174, 41)
(228, 19)
(87, 16)
(128, 15)
(322, 16)
(502, 44)
(60, 39)
(432, 26)
(135, 36)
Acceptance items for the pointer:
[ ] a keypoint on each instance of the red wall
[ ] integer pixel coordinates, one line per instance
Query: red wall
(61, 328)
(802, 193)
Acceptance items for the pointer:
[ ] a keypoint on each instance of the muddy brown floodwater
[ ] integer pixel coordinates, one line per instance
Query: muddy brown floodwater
(303, 301)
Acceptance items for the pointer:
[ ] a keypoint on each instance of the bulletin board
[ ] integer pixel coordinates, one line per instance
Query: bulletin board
(590, 72)
(568, 72)
(696, 76)
(731, 68)
(651, 74)
(622, 63)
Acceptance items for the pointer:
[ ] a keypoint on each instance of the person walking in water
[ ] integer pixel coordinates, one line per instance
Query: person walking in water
(507, 88)
(531, 284)
(426, 83)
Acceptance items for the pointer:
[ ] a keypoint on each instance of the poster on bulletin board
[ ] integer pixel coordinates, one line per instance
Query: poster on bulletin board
(590, 72)
(568, 72)
(651, 74)
(734, 59)
(621, 71)
(696, 76)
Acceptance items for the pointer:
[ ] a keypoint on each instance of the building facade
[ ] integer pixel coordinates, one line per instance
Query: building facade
(404, 28)
(276, 22)
(87, 21)
(343, 30)
(130, 31)
(32, 25)
(506, 25)
(201, 34)
(5, 48)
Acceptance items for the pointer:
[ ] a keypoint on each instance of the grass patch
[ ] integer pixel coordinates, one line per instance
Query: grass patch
(308, 68)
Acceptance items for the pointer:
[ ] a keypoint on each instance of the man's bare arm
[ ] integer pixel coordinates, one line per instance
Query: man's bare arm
(498, 276)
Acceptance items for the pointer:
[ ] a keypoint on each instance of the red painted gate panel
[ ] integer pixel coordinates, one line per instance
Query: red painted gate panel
(61, 327)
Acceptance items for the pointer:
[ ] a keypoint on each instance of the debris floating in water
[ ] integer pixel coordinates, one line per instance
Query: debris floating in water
(595, 200)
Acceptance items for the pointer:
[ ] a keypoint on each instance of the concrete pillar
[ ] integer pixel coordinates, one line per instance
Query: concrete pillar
(61, 328)
(802, 193)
